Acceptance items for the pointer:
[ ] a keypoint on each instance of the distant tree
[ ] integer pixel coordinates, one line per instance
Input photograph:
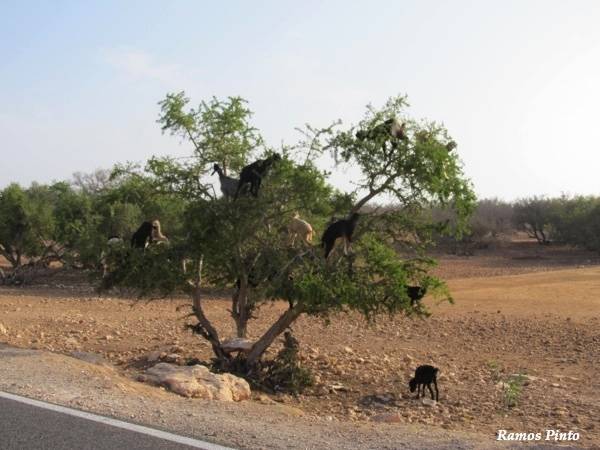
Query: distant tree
(92, 183)
(26, 226)
(535, 215)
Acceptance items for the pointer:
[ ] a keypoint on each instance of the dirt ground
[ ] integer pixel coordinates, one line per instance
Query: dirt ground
(520, 308)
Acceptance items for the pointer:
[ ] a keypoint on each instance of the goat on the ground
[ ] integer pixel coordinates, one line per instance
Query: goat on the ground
(424, 376)
(341, 229)
(253, 174)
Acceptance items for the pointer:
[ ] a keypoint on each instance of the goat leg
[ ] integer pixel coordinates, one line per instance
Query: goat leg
(430, 391)
(437, 393)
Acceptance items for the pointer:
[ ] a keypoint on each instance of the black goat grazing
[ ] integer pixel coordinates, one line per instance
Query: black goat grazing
(341, 229)
(143, 236)
(253, 174)
(424, 376)
(415, 293)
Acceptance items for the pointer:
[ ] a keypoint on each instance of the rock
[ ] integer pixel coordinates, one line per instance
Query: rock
(71, 341)
(290, 410)
(91, 358)
(501, 385)
(387, 418)
(3, 329)
(407, 359)
(153, 356)
(428, 402)
(265, 400)
(199, 382)
(348, 350)
(237, 345)
(338, 387)
(172, 357)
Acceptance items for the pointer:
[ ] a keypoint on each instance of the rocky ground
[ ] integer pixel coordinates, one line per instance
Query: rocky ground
(521, 309)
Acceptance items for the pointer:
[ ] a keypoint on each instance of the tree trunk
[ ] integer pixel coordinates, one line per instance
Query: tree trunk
(208, 331)
(239, 309)
(284, 321)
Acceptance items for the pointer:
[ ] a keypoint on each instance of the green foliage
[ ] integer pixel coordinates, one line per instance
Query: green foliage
(244, 244)
(512, 390)
(26, 222)
(495, 369)
(219, 130)
(576, 221)
(157, 271)
(534, 215)
(415, 172)
(284, 373)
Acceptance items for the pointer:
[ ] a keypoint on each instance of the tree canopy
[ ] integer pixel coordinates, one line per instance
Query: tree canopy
(243, 244)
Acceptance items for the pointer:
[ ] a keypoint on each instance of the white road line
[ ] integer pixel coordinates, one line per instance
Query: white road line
(116, 423)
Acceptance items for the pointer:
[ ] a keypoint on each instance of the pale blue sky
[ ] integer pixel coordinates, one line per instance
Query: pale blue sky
(517, 83)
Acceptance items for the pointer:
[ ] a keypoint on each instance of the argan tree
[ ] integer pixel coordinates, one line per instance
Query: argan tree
(27, 228)
(243, 244)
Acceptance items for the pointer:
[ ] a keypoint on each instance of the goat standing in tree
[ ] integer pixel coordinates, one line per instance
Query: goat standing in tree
(157, 236)
(253, 174)
(299, 227)
(415, 293)
(147, 233)
(390, 128)
(341, 229)
(143, 235)
(228, 185)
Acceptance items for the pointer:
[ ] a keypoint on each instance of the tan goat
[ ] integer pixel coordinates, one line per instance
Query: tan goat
(299, 227)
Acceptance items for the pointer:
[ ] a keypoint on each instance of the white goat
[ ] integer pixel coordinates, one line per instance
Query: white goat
(228, 185)
(157, 236)
(299, 227)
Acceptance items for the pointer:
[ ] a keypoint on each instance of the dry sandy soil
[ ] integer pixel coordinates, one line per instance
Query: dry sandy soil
(520, 309)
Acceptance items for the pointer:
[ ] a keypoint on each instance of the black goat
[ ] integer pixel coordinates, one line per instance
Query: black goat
(253, 173)
(341, 229)
(415, 293)
(143, 236)
(389, 128)
(424, 376)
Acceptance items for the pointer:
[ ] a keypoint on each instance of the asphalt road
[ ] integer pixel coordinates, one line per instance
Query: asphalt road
(25, 426)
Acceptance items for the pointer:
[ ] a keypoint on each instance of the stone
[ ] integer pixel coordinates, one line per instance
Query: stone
(172, 357)
(3, 329)
(387, 418)
(428, 402)
(199, 382)
(91, 358)
(153, 356)
(265, 399)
